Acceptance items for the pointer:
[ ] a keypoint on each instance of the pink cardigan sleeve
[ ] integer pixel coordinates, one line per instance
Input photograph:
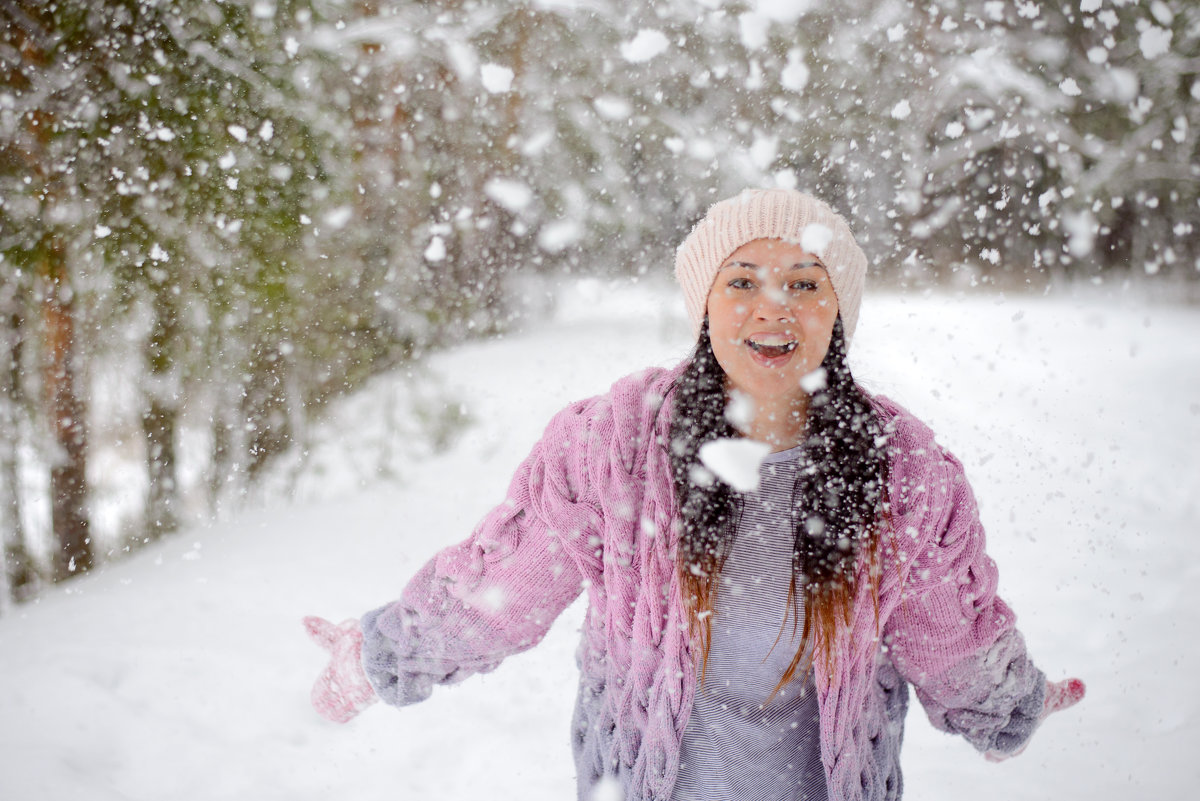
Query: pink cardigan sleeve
(497, 592)
(951, 635)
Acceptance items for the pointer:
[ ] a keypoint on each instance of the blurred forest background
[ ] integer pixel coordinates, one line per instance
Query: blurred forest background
(216, 216)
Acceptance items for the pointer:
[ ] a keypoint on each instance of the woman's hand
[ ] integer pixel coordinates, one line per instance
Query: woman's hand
(342, 689)
(1060, 695)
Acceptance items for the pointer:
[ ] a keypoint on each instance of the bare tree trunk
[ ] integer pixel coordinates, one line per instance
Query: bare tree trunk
(161, 416)
(18, 576)
(220, 465)
(221, 396)
(158, 424)
(265, 408)
(67, 411)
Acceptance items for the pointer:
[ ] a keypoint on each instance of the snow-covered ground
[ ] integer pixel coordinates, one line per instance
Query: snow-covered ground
(183, 673)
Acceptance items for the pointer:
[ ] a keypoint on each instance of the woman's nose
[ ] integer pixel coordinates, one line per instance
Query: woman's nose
(772, 305)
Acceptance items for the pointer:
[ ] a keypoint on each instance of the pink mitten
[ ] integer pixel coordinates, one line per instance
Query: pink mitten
(1059, 696)
(342, 689)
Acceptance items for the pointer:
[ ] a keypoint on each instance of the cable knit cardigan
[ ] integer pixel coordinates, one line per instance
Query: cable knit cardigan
(593, 509)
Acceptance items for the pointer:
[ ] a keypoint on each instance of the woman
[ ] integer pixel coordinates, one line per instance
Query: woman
(755, 642)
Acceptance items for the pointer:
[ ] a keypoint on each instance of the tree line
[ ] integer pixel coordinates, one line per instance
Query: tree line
(217, 217)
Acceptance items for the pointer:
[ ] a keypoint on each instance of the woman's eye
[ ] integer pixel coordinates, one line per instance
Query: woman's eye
(740, 283)
(804, 286)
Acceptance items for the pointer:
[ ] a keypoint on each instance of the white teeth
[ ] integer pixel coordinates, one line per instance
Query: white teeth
(776, 347)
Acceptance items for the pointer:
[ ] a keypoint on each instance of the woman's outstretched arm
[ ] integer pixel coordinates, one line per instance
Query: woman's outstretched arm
(952, 636)
(494, 594)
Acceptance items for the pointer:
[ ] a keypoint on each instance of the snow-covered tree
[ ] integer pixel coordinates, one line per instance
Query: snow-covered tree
(161, 169)
(245, 208)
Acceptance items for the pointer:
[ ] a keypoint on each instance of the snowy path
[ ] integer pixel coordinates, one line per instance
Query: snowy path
(183, 673)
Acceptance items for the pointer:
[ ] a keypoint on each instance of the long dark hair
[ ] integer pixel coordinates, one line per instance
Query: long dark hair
(841, 498)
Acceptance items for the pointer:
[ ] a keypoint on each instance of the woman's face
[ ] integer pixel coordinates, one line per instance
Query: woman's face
(771, 312)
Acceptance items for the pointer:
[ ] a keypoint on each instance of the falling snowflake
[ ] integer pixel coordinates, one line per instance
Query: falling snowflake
(496, 78)
(646, 45)
(1154, 42)
(436, 250)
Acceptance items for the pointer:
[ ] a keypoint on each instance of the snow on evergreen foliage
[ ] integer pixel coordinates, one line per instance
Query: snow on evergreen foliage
(252, 207)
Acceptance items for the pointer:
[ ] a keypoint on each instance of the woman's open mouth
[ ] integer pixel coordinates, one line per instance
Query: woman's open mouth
(771, 347)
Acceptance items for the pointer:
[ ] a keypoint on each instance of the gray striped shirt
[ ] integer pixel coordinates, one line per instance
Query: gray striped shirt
(738, 747)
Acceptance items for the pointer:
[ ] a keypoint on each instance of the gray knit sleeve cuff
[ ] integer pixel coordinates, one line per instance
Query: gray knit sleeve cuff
(380, 662)
(1023, 719)
(994, 699)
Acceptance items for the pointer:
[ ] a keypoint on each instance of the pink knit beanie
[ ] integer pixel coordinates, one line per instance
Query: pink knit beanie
(771, 214)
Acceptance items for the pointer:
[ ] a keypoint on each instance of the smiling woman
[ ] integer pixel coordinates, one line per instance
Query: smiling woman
(862, 533)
